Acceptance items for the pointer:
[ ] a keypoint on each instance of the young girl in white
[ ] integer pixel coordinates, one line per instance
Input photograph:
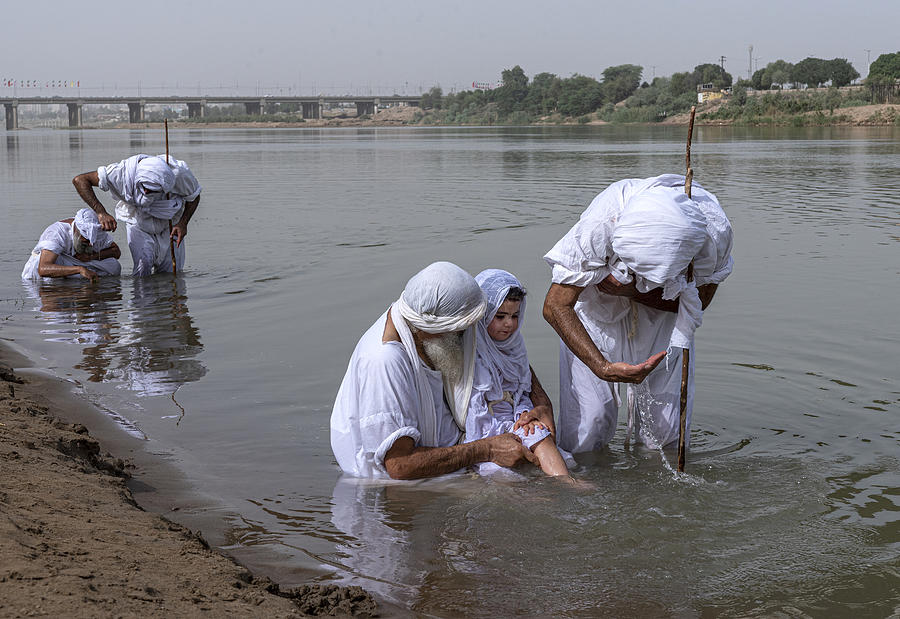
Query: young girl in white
(503, 377)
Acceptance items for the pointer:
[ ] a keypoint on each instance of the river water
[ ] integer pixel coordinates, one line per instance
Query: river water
(791, 501)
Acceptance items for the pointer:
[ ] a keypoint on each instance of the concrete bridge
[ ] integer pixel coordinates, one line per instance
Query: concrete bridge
(310, 107)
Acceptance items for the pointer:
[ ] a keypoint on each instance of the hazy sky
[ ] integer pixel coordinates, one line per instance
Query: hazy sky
(399, 45)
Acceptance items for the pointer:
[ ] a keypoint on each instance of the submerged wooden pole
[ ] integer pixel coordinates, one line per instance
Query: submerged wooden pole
(685, 352)
(171, 240)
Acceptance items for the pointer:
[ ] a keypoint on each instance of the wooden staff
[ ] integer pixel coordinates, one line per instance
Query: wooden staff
(685, 352)
(171, 240)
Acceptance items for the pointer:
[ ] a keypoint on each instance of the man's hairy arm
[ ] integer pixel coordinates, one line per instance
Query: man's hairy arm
(179, 230)
(84, 185)
(47, 267)
(653, 298)
(406, 461)
(559, 311)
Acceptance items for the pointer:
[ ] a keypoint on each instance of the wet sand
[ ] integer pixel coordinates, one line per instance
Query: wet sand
(75, 542)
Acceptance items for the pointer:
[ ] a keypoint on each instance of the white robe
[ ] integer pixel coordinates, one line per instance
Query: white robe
(147, 227)
(380, 401)
(57, 237)
(627, 331)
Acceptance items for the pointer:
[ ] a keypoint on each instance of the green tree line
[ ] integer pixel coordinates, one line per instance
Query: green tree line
(620, 95)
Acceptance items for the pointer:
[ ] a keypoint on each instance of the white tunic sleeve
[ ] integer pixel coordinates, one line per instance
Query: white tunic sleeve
(713, 262)
(376, 405)
(583, 255)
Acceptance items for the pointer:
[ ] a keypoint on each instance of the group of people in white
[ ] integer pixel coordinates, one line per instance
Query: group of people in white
(442, 382)
(156, 198)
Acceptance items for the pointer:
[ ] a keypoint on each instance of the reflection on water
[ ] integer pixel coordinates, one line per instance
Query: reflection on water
(741, 536)
(791, 501)
(145, 341)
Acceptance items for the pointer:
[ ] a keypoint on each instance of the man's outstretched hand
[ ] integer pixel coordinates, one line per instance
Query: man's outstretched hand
(626, 373)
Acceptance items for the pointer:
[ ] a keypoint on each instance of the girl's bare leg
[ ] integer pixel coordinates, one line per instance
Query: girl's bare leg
(551, 461)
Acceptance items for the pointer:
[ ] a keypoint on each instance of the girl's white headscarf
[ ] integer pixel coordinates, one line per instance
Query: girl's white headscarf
(498, 360)
(441, 298)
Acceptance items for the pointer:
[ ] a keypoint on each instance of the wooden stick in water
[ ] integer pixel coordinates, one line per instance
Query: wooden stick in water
(685, 352)
(171, 240)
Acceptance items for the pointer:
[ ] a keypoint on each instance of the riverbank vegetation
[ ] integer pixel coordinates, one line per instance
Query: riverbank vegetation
(810, 92)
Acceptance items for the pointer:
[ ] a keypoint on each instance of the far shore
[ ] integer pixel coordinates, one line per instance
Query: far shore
(879, 115)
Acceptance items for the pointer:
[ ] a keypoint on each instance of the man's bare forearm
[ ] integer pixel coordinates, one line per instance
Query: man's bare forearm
(538, 396)
(57, 270)
(433, 461)
(566, 323)
(86, 190)
(189, 209)
(654, 299)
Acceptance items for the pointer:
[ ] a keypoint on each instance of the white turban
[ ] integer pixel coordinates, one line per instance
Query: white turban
(88, 225)
(441, 298)
(657, 235)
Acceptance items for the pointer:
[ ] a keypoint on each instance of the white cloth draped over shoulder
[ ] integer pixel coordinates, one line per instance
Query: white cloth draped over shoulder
(58, 238)
(151, 196)
(502, 383)
(612, 235)
(646, 231)
(388, 392)
(141, 183)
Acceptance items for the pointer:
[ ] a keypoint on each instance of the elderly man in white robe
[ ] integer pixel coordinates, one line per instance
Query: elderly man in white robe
(400, 410)
(630, 282)
(74, 247)
(155, 199)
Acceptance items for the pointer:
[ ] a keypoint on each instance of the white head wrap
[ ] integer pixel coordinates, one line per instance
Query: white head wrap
(88, 225)
(441, 298)
(498, 360)
(657, 235)
(153, 179)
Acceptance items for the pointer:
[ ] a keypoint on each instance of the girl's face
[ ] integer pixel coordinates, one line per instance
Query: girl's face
(505, 321)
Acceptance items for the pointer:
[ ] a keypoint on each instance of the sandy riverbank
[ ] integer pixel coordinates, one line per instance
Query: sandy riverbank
(75, 543)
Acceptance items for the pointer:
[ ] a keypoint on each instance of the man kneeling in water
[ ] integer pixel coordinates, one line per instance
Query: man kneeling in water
(74, 247)
(401, 407)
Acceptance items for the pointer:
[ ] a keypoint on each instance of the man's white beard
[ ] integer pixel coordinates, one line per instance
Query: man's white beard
(80, 244)
(446, 355)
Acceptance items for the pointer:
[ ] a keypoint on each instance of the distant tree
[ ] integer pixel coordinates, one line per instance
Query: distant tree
(682, 83)
(886, 68)
(711, 74)
(811, 71)
(780, 72)
(621, 81)
(761, 80)
(512, 93)
(579, 95)
(841, 72)
(543, 94)
(432, 99)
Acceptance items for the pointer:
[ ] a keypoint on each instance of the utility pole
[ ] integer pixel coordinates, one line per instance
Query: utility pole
(750, 64)
(722, 62)
(868, 56)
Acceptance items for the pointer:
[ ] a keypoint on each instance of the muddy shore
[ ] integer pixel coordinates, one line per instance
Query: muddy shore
(74, 541)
